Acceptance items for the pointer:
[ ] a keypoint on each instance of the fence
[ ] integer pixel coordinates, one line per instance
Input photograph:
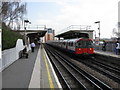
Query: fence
(11, 55)
(110, 46)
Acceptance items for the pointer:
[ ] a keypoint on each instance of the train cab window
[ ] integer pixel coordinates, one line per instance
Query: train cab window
(89, 44)
(79, 44)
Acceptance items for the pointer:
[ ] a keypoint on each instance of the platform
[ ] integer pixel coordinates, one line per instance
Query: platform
(107, 53)
(34, 72)
(43, 72)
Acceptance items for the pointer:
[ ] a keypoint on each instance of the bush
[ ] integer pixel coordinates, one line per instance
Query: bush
(9, 37)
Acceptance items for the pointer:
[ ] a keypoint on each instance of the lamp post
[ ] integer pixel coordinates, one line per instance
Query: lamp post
(95, 35)
(98, 28)
(26, 21)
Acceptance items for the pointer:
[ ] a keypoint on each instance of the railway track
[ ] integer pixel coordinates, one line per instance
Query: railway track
(72, 76)
(110, 71)
(111, 67)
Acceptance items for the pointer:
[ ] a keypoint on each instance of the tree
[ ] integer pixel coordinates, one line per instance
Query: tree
(118, 34)
(12, 12)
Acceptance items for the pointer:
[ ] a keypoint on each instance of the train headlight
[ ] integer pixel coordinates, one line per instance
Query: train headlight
(90, 48)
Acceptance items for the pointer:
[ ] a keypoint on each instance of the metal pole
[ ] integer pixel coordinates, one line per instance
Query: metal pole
(95, 35)
(99, 31)
(25, 32)
(26, 21)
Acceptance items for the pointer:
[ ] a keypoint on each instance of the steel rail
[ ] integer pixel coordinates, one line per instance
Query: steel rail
(106, 73)
(74, 79)
(55, 66)
(107, 67)
(101, 84)
(113, 68)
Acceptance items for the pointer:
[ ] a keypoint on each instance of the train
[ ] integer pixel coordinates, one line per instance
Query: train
(78, 46)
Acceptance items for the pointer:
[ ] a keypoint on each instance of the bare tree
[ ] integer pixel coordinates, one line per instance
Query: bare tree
(12, 12)
(118, 34)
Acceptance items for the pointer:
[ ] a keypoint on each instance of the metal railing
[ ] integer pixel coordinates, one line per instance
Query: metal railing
(32, 27)
(109, 47)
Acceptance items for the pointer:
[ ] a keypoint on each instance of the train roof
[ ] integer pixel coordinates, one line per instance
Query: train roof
(77, 39)
(69, 40)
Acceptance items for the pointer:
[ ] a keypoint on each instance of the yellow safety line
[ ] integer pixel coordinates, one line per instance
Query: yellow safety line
(49, 75)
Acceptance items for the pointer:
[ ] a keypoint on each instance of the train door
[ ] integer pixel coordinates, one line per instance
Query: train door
(66, 46)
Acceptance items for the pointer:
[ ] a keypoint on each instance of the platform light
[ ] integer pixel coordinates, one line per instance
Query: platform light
(26, 21)
(98, 28)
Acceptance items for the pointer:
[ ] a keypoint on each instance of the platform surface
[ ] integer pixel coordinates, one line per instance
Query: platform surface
(107, 53)
(34, 72)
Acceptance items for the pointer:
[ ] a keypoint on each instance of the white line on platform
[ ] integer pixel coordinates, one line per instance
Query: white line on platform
(35, 79)
(56, 78)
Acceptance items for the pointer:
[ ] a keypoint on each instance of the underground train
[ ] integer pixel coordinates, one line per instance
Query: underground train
(77, 46)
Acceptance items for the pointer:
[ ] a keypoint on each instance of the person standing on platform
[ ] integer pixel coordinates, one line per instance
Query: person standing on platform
(117, 48)
(104, 46)
(32, 46)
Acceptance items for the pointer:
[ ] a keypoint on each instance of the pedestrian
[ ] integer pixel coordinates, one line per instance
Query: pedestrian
(104, 46)
(25, 52)
(117, 48)
(32, 46)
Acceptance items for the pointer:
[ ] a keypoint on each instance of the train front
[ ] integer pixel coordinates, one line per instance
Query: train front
(84, 46)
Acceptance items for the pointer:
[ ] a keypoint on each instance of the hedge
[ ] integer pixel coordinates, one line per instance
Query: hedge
(9, 37)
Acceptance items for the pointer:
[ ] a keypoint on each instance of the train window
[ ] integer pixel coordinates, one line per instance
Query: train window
(84, 44)
(89, 44)
(79, 44)
(66, 43)
(71, 43)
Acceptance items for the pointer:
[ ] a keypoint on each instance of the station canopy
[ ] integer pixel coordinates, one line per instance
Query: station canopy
(76, 31)
(32, 30)
(41, 33)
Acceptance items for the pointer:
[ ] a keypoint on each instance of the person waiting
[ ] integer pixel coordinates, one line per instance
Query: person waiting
(32, 46)
(117, 48)
(104, 46)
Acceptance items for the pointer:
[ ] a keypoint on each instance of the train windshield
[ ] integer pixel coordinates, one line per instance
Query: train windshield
(84, 44)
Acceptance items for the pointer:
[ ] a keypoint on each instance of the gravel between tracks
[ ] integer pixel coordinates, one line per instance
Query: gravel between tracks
(101, 77)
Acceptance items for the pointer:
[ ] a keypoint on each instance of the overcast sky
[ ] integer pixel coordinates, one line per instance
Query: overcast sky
(59, 14)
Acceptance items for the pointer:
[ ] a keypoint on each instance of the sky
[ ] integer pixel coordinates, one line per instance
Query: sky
(59, 14)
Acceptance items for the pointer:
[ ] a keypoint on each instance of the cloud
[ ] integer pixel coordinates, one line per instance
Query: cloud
(84, 12)
(89, 12)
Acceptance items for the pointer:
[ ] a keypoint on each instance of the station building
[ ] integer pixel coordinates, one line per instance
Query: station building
(49, 34)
